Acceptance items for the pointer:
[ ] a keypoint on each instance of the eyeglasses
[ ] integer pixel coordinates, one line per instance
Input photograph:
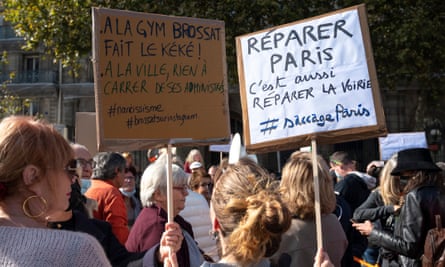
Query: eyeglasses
(84, 162)
(183, 188)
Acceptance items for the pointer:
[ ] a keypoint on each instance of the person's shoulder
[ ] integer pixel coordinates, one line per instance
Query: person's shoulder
(149, 216)
(195, 199)
(359, 178)
(183, 222)
(98, 187)
(90, 225)
(45, 235)
(28, 231)
(110, 191)
(86, 248)
(73, 248)
(331, 221)
(425, 191)
(352, 175)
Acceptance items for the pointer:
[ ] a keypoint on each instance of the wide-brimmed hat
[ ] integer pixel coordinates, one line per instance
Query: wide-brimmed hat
(414, 159)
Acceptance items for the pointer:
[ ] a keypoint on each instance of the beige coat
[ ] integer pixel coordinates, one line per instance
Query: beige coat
(300, 241)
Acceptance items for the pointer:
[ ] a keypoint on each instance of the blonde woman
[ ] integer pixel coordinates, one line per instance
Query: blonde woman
(297, 189)
(193, 156)
(380, 207)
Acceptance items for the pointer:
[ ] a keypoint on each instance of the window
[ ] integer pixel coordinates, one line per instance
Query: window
(32, 69)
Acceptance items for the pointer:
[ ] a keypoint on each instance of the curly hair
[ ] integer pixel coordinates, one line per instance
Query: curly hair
(250, 212)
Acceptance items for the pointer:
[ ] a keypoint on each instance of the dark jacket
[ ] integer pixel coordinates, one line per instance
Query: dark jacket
(410, 229)
(382, 216)
(117, 253)
(354, 191)
(374, 209)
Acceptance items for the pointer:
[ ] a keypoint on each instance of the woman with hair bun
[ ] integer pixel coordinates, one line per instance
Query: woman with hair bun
(249, 218)
(248, 215)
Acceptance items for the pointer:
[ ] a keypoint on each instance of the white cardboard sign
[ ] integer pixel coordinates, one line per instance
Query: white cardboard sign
(395, 142)
(307, 77)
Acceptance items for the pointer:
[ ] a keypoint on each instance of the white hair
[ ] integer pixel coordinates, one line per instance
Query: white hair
(155, 178)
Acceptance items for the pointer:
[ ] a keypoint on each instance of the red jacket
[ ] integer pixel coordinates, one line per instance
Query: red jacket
(147, 231)
(111, 207)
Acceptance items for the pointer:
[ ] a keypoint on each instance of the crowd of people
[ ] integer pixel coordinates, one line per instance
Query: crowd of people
(62, 206)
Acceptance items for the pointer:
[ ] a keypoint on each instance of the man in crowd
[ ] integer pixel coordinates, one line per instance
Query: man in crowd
(107, 178)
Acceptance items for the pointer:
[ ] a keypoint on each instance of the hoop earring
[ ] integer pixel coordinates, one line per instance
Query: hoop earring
(25, 206)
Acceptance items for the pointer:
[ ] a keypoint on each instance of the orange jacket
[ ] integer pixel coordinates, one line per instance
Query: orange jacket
(111, 207)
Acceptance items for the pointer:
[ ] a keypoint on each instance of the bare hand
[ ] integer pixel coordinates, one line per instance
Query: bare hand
(364, 228)
(171, 241)
(171, 261)
(322, 259)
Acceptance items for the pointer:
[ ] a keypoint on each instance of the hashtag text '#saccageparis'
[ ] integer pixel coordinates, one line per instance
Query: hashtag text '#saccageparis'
(341, 112)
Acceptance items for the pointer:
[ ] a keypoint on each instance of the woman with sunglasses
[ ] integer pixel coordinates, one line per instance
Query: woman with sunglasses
(35, 187)
(423, 197)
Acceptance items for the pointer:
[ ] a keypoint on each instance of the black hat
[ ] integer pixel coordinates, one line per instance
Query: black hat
(414, 159)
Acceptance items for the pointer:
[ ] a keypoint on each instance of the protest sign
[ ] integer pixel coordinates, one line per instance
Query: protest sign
(395, 142)
(85, 133)
(220, 148)
(309, 79)
(158, 79)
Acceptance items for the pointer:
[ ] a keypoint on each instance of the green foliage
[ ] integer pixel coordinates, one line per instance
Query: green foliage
(10, 104)
(407, 36)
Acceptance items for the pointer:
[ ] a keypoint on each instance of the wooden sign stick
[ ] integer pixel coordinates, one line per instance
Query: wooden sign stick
(170, 216)
(317, 193)
(169, 184)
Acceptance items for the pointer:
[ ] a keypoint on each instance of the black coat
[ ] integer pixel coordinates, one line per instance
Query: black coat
(410, 229)
(354, 191)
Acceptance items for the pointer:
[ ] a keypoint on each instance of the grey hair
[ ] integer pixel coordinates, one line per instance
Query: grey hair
(105, 165)
(155, 178)
(78, 146)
